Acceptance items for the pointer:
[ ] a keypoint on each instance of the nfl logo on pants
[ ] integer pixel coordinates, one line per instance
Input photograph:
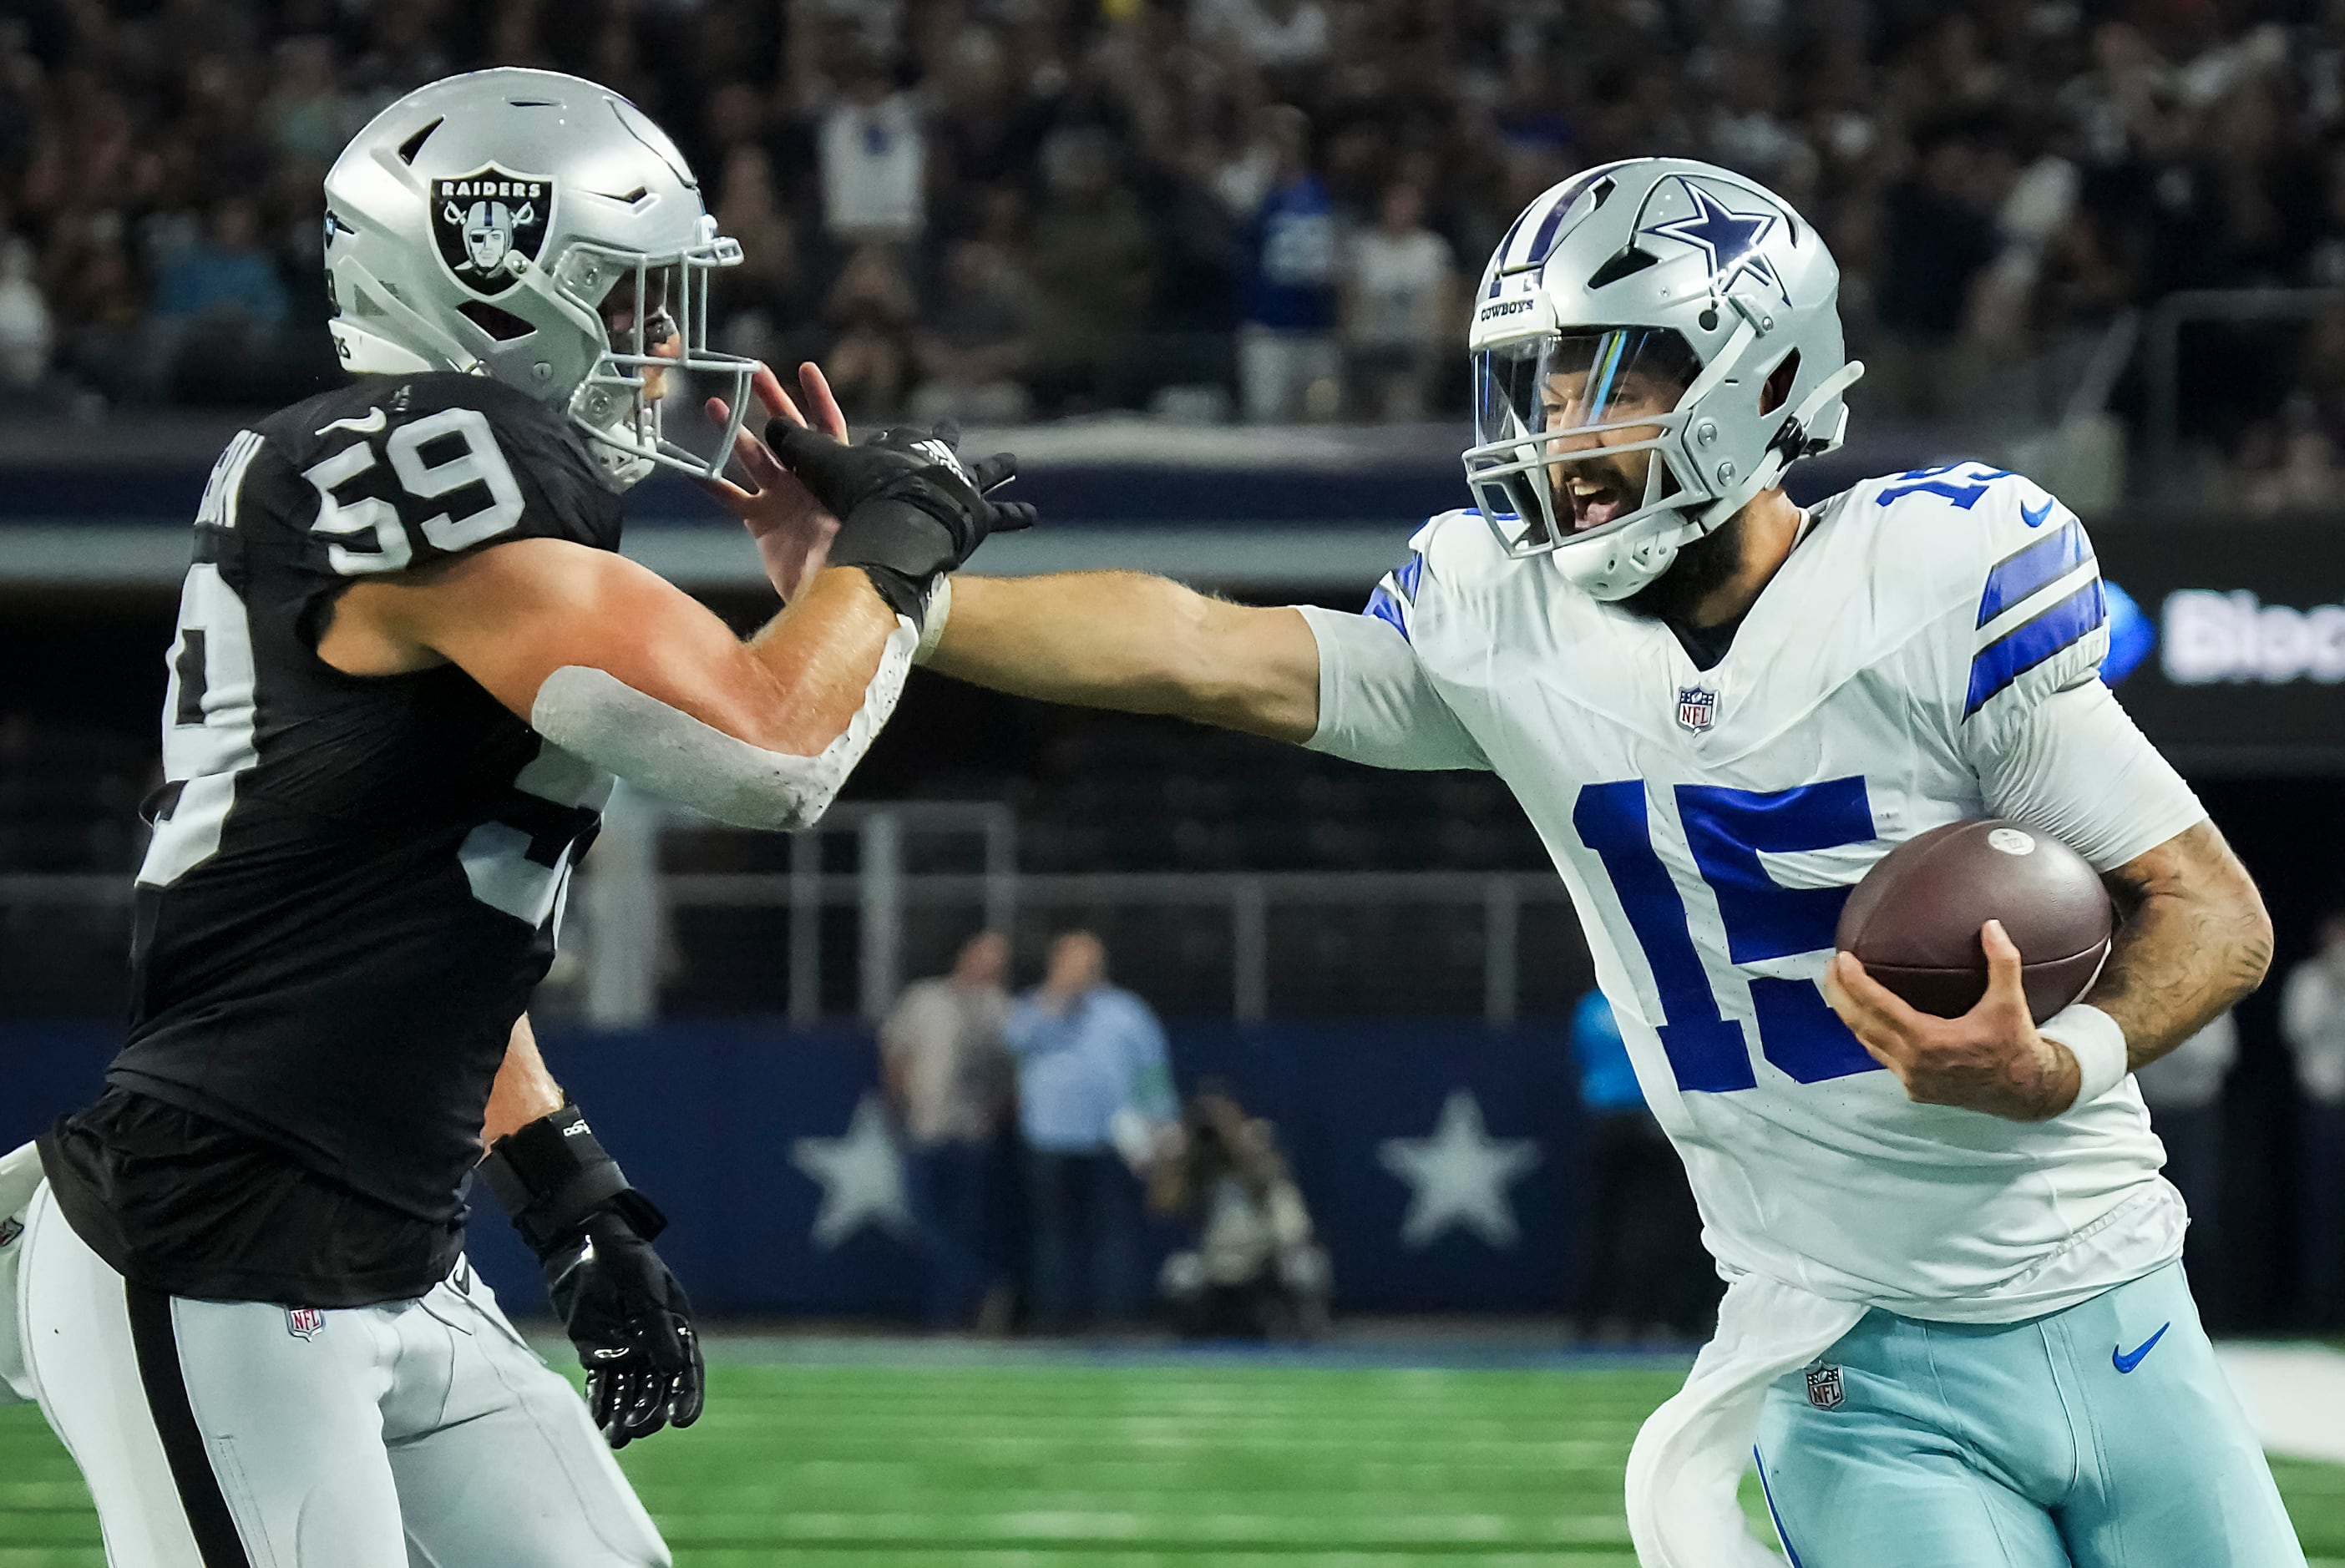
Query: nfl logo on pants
(1824, 1389)
(1696, 708)
(303, 1322)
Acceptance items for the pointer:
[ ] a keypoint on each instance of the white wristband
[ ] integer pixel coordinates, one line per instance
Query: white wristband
(2097, 1042)
(932, 618)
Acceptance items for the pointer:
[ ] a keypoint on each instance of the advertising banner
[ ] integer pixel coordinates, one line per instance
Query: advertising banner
(2245, 667)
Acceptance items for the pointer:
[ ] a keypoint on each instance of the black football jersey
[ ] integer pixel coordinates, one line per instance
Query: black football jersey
(354, 882)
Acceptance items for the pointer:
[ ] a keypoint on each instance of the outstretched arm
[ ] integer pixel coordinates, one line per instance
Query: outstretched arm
(1139, 644)
(612, 662)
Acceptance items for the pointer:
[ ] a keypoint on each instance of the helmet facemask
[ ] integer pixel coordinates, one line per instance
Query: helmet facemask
(651, 313)
(1575, 431)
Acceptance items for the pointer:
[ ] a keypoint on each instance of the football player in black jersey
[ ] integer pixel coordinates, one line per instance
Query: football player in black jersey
(410, 662)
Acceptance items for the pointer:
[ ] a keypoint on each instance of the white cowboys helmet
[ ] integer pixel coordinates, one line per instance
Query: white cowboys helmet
(538, 229)
(1611, 293)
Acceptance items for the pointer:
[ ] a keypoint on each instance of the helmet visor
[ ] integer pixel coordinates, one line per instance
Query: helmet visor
(1567, 428)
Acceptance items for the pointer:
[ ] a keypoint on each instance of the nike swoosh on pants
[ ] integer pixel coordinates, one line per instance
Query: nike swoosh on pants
(2125, 1363)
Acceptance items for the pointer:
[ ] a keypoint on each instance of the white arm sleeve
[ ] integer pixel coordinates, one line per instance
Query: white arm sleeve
(2075, 765)
(592, 714)
(1375, 704)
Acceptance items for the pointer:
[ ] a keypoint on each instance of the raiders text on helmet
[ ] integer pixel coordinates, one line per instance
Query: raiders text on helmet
(1649, 276)
(482, 224)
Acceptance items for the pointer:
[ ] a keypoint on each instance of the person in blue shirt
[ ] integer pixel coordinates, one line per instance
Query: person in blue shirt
(227, 274)
(1289, 365)
(1642, 1274)
(1093, 1089)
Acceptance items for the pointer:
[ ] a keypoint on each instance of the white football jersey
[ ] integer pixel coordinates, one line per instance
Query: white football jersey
(1928, 653)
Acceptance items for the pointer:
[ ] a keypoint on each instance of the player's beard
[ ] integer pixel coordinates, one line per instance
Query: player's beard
(1700, 569)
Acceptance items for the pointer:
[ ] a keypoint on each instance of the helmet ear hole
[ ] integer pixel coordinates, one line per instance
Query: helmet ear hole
(1776, 391)
(502, 324)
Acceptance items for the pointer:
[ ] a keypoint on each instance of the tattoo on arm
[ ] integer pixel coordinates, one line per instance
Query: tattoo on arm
(2193, 939)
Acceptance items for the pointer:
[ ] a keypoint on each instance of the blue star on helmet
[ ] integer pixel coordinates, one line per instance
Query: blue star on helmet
(1730, 240)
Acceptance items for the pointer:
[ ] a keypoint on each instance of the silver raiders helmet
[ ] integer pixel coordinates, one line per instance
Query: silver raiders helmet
(541, 229)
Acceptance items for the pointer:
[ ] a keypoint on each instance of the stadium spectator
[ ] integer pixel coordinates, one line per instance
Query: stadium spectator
(309, 115)
(971, 357)
(226, 275)
(1093, 264)
(767, 291)
(1399, 308)
(26, 331)
(2312, 1023)
(1093, 1086)
(1642, 1274)
(947, 1075)
(1288, 366)
(216, 306)
(870, 357)
(2185, 1091)
(873, 153)
(1271, 35)
(2001, 188)
(1250, 1269)
(1940, 237)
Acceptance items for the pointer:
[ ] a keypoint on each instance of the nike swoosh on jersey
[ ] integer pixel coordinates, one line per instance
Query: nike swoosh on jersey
(375, 418)
(2125, 1363)
(2034, 515)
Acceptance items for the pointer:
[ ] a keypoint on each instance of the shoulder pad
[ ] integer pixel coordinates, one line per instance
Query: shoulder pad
(2019, 561)
(507, 408)
(405, 470)
(1449, 537)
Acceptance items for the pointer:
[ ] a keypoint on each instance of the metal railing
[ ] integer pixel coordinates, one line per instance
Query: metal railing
(882, 900)
(630, 907)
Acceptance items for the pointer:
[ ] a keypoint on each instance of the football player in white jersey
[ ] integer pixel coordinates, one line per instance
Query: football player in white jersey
(1956, 1331)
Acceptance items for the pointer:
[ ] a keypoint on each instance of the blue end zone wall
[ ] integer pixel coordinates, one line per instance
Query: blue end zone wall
(704, 1117)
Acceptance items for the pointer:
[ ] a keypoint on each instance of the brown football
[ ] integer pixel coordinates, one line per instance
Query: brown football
(1913, 922)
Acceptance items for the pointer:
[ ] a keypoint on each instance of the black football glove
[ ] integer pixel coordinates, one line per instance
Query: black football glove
(592, 1235)
(632, 1323)
(909, 511)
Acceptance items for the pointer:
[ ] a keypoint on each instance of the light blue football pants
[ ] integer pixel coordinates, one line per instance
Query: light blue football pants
(2031, 1445)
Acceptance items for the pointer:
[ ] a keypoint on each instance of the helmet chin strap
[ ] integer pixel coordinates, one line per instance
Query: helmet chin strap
(1784, 452)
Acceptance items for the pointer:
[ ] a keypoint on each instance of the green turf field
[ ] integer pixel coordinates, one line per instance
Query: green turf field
(832, 1462)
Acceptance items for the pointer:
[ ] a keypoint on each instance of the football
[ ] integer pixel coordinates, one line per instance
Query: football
(1913, 922)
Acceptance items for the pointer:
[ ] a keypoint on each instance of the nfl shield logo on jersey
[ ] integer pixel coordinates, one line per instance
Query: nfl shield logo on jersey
(303, 1322)
(1696, 708)
(489, 226)
(1824, 1389)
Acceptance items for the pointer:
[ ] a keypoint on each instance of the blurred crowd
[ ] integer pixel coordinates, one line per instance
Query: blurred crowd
(1264, 208)
(1041, 1135)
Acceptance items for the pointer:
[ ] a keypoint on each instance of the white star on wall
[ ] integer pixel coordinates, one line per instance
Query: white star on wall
(862, 1178)
(1460, 1176)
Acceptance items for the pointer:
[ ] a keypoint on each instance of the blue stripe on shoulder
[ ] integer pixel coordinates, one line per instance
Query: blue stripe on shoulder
(1409, 573)
(2008, 657)
(2026, 570)
(1381, 605)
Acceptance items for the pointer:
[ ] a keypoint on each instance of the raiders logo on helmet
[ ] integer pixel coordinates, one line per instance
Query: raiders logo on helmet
(489, 226)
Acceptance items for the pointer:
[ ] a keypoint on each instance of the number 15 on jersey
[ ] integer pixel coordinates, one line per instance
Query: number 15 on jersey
(1728, 831)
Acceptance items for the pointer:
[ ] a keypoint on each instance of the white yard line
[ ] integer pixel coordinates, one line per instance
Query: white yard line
(2295, 1395)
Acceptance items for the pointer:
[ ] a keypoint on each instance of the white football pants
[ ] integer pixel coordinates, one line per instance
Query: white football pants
(242, 1435)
